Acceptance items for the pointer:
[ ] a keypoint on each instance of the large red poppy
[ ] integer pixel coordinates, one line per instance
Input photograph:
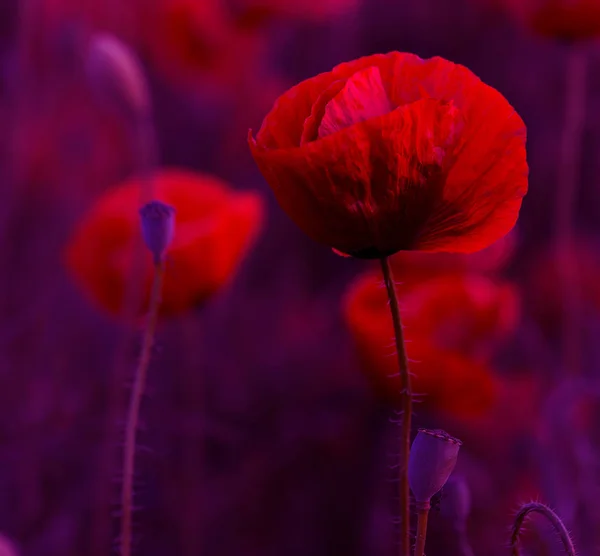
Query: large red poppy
(451, 328)
(392, 152)
(214, 226)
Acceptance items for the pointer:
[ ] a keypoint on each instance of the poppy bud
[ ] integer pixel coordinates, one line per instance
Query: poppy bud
(158, 227)
(115, 74)
(432, 458)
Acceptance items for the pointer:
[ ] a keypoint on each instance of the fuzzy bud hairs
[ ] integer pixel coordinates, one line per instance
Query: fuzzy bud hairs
(557, 524)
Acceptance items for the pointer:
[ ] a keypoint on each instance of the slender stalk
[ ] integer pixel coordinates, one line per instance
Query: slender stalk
(557, 524)
(422, 517)
(405, 407)
(134, 411)
(569, 174)
(144, 143)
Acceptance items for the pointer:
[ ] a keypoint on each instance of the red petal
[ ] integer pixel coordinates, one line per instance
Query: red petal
(310, 130)
(373, 184)
(363, 97)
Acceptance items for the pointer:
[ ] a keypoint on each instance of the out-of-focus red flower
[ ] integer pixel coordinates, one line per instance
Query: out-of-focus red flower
(214, 227)
(516, 414)
(451, 327)
(197, 45)
(64, 140)
(545, 281)
(392, 152)
(560, 19)
(412, 268)
(255, 13)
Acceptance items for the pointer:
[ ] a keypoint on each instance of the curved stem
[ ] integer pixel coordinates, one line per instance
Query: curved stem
(422, 517)
(144, 142)
(134, 411)
(568, 179)
(405, 407)
(557, 524)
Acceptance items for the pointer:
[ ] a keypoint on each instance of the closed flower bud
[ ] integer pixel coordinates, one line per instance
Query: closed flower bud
(115, 74)
(158, 227)
(432, 459)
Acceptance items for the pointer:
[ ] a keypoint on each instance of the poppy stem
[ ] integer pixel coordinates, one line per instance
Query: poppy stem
(569, 175)
(134, 410)
(406, 407)
(422, 517)
(557, 524)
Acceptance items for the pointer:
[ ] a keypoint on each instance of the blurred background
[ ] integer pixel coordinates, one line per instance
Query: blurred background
(269, 427)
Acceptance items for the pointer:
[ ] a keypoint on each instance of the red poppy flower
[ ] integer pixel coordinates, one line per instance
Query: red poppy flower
(451, 327)
(559, 19)
(214, 226)
(392, 152)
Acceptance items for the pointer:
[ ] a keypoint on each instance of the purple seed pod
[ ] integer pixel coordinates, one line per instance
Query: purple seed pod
(158, 227)
(433, 456)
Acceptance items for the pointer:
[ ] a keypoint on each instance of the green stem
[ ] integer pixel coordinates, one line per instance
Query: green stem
(134, 411)
(405, 407)
(422, 517)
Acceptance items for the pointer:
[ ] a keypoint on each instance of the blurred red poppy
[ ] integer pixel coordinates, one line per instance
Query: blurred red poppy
(451, 329)
(392, 152)
(63, 140)
(196, 45)
(215, 225)
(545, 290)
(560, 19)
(412, 268)
(254, 13)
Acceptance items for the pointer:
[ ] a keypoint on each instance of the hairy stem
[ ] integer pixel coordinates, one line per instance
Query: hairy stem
(144, 143)
(422, 517)
(557, 524)
(405, 407)
(568, 179)
(134, 411)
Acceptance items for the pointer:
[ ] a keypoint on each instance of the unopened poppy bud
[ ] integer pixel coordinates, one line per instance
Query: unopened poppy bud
(432, 459)
(115, 73)
(158, 227)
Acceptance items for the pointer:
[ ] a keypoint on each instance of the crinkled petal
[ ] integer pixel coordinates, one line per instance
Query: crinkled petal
(371, 186)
